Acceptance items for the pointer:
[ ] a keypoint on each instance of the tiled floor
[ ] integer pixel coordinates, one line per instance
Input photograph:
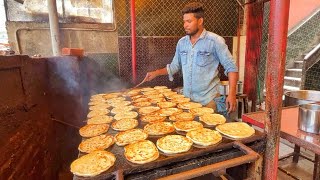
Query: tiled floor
(302, 170)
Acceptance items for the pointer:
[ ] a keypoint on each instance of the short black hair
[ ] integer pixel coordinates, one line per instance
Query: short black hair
(195, 7)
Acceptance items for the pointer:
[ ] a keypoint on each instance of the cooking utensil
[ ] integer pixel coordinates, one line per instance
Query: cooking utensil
(309, 118)
(293, 98)
(143, 81)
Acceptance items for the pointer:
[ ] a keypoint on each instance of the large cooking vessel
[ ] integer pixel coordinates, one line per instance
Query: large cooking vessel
(309, 118)
(293, 98)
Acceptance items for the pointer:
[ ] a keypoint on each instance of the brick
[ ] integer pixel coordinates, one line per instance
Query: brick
(72, 52)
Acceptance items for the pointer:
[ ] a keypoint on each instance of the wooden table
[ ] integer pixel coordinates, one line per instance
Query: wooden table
(289, 131)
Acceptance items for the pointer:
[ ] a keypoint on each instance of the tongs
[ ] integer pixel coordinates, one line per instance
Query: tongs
(143, 81)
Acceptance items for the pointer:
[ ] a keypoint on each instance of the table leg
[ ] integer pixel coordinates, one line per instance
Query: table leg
(245, 104)
(316, 168)
(239, 109)
(119, 175)
(255, 169)
(296, 154)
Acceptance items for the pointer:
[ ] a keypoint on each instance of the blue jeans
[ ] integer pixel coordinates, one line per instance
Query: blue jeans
(221, 105)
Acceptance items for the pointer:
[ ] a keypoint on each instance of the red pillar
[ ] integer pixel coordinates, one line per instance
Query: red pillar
(133, 41)
(278, 30)
(254, 21)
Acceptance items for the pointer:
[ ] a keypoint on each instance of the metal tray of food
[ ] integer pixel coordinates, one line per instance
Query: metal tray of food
(123, 167)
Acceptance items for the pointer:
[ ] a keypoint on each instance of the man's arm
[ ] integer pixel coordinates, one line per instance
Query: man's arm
(231, 70)
(170, 69)
(153, 74)
(231, 99)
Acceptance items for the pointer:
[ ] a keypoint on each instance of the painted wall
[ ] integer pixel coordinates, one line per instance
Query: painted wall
(242, 51)
(303, 39)
(34, 38)
(300, 10)
(302, 35)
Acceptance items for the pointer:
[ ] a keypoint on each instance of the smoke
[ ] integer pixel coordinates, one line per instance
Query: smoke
(73, 81)
(86, 76)
(102, 74)
(103, 82)
(64, 76)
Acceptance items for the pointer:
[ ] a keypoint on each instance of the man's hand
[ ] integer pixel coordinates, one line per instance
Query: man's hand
(231, 103)
(153, 74)
(150, 75)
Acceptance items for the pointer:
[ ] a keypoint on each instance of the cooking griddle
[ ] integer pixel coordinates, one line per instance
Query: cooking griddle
(123, 167)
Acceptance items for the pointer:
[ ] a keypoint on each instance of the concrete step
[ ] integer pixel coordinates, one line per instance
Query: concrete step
(298, 64)
(294, 73)
(290, 88)
(295, 69)
(292, 78)
(292, 81)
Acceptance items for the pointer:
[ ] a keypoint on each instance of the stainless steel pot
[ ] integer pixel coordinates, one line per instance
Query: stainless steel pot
(293, 98)
(309, 118)
(224, 87)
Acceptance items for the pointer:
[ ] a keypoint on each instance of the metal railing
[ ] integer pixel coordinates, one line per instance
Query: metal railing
(309, 60)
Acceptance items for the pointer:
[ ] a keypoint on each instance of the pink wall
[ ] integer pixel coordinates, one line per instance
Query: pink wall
(301, 9)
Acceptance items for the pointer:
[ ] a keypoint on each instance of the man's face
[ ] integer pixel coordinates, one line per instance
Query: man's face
(191, 24)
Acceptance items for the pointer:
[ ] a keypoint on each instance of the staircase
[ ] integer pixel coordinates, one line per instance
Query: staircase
(292, 77)
(296, 75)
(302, 39)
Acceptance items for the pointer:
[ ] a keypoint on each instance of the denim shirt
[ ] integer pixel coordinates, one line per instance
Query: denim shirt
(199, 65)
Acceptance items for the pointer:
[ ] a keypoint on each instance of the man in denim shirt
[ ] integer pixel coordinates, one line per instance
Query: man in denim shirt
(198, 55)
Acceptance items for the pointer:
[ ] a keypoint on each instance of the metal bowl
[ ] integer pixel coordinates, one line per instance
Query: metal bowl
(293, 98)
(309, 118)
